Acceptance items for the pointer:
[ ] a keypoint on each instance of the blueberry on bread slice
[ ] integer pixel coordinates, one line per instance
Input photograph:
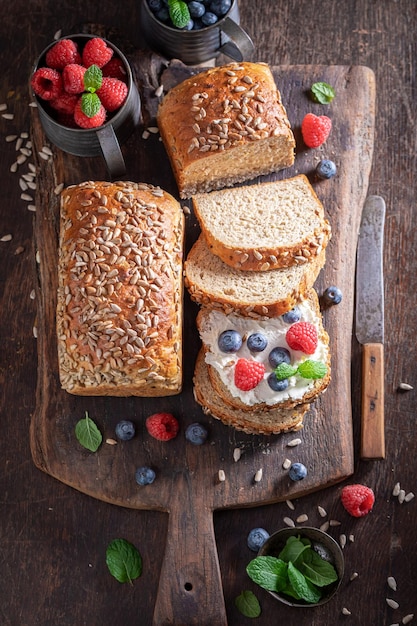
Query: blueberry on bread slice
(223, 126)
(265, 226)
(213, 283)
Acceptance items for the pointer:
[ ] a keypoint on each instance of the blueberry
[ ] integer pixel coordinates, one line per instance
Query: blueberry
(220, 7)
(155, 5)
(144, 475)
(297, 471)
(209, 18)
(326, 169)
(196, 433)
(196, 9)
(162, 15)
(322, 551)
(293, 316)
(257, 342)
(275, 384)
(229, 341)
(278, 356)
(189, 25)
(257, 538)
(125, 430)
(332, 295)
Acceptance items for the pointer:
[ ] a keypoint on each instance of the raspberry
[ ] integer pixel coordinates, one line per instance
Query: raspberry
(62, 53)
(115, 69)
(248, 374)
(302, 336)
(315, 129)
(82, 120)
(162, 426)
(96, 52)
(358, 500)
(112, 93)
(65, 103)
(73, 78)
(47, 83)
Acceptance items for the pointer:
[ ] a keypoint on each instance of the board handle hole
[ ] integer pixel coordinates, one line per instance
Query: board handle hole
(188, 586)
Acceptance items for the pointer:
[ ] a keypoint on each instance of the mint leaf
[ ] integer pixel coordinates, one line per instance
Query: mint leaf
(312, 369)
(303, 587)
(294, 548)
(93, 78)
(268, 572)
(317, 570)
(88, 434)
(323, 93)
(179, 13)
(248, 604)
(123, 560)
(90, 104)
(285, 370)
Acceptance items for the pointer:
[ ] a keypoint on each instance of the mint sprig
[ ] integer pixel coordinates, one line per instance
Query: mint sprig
(90, 102)
(298, 571)
(179, 13)
(88, 434)
(323, 93)
(123, 560)
(307, 369)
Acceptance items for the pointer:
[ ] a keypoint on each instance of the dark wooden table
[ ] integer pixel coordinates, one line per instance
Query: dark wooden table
(53, 538)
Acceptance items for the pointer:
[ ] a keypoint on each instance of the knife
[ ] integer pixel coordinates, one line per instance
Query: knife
(370, 325)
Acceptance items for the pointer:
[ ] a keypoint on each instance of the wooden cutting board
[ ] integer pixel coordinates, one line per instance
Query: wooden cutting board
(187, 484)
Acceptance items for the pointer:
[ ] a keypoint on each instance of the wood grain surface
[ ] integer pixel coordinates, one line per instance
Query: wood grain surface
(187, 484)
(54, 537)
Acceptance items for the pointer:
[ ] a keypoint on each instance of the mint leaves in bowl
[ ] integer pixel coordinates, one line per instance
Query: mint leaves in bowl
(300, 567)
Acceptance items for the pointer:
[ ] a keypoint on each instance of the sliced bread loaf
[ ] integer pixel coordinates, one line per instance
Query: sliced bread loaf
(225, 125)
(275, 421)
(275, 334)
(265, 226)
(214, 284)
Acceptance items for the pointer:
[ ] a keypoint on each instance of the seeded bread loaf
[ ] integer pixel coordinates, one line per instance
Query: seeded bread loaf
(214, 284)
(119, 308)
(265, 226)
(221, 365)
(275, 421)
(223, 126)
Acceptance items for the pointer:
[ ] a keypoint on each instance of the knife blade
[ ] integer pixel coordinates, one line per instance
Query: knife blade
(369, 326)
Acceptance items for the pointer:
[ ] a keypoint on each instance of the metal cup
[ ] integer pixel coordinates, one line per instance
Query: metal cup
(104, 140)
(193, 47)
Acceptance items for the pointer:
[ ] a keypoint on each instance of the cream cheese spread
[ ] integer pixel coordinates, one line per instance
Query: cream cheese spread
(274, 329)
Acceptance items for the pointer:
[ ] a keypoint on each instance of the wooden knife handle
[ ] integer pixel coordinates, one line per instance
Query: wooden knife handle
(373, 435)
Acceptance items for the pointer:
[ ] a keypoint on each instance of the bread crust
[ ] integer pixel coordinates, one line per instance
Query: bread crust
(255, 257)
(273, 422)
(119, 307)
(223, 126)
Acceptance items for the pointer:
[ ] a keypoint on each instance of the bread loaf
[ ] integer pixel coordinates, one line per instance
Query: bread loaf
(119, 307)
(266, 226)
(223, 126)
(221, 364)
(217, 285)
(275, 421)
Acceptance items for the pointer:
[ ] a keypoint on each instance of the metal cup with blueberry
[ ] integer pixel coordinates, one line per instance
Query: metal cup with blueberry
(195, 31)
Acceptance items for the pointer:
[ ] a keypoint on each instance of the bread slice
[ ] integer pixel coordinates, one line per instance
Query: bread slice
(221, 366)
(223, 126)
(265, 226)
(272, 422)
(214, 284)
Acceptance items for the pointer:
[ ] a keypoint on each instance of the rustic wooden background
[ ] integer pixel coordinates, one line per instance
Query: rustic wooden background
(52, 538)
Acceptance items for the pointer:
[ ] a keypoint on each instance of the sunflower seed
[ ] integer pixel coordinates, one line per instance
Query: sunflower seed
(3, 107)
(302, 518)
(407, 618)
(405, 387)
(286, 464)
(8, 237)
(289, 522)
(322, 512)
(346, 611)
(409, 496)
(290, 505)
(401, 496)
(111, 442)
(353, 576)
(294, 442)
(334, 522)
(342, 540)
(159, 91)
(396, 490)
(236, 454)
(8, 116)
(325, 526)
(258, 476)
(222, 475)
(392, 603)
(392, 583)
